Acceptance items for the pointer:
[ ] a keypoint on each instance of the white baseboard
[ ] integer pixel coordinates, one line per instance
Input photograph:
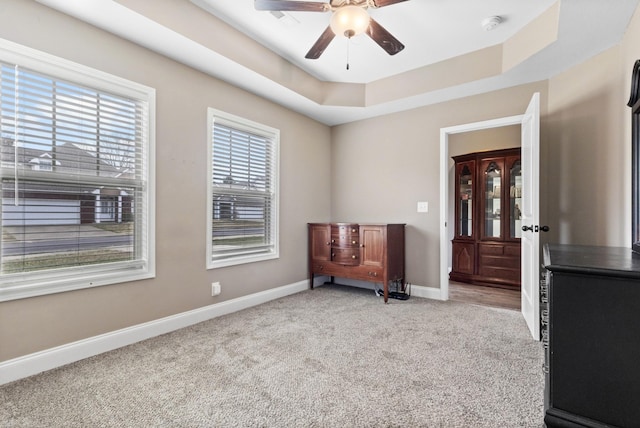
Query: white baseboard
(426, 292)
(416, 290)
(28, 365)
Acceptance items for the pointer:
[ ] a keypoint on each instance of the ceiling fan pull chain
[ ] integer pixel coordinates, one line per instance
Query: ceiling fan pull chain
(348, 45)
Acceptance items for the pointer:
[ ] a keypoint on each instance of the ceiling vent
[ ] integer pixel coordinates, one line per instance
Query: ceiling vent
(285, 19)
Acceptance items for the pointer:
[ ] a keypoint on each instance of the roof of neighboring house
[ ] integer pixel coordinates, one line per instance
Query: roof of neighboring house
(67, 156)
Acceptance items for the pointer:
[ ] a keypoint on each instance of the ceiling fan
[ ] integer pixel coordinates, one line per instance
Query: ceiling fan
(349, 18)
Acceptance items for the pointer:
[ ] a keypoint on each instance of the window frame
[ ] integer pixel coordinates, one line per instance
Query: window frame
(43, 282)
(258, 129)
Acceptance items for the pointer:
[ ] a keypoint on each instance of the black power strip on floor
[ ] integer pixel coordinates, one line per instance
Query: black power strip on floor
(399, 295)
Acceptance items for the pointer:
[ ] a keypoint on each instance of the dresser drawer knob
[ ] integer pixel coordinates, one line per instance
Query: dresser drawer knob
(354, 242)
(353, 257)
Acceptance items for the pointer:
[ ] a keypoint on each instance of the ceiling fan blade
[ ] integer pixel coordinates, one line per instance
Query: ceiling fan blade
(384, 38)
(289, 5)
(321, 44)
(383, 3)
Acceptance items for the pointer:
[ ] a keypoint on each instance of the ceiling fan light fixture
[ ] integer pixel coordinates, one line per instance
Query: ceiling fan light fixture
(350, 21)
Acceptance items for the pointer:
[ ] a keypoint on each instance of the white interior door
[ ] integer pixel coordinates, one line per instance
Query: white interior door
(530, 291)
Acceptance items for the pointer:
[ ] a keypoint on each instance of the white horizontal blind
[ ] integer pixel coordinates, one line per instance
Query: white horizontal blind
(73, 177)
(243, 190)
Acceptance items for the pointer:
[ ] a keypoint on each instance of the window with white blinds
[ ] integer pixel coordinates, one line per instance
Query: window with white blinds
(242, 191)
(75, 176)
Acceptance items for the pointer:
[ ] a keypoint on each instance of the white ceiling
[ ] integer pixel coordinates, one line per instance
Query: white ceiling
(431, 30)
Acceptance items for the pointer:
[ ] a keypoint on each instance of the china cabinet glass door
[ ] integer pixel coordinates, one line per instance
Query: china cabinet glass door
(493, 179)
(515, 200)
(465, 201)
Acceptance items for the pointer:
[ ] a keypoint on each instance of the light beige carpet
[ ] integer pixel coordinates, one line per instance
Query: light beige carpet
(331, 357)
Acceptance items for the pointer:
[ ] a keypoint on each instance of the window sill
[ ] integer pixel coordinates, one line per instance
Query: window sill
(214, 264)
(62, 283)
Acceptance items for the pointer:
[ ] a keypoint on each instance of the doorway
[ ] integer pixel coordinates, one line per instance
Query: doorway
(445, 137)
(490, 143)
(530, 211)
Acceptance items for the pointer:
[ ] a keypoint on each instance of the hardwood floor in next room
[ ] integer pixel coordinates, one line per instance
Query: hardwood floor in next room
(486, 296)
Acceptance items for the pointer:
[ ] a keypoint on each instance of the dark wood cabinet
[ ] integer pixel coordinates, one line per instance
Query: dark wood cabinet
(320, 242)
(592, 339)
(488, 197)
(366, 252)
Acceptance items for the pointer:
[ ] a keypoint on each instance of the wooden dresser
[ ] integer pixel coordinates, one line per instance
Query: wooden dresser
(592, 339)
(366, 252)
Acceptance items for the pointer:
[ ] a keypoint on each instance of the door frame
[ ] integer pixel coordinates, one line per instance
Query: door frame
(445, 241)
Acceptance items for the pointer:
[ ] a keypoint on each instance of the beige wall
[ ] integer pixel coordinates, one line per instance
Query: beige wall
(588, 157)
(503, 137)
(382, 167)
(369, 171)
(182, 282)
(589, 147)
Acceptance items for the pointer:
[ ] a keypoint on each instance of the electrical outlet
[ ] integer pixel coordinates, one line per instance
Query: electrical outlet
(215, 288)
(423, 207)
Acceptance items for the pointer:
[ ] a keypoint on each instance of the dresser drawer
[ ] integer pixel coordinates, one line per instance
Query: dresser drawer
(345, 229)
(500, 249)
(491, 249)
(345, 256)
(367, 273)
(500, 273)
(512, 250)
(345, 241)
(319, 267)
(500, 261)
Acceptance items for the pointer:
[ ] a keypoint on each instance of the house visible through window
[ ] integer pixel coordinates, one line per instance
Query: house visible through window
(75, 178)
(242, 191)
(43, 163)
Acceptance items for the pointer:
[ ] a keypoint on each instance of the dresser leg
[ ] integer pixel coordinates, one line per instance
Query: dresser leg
(385, 287)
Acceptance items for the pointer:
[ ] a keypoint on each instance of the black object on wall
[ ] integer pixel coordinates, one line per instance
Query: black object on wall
(634, 103)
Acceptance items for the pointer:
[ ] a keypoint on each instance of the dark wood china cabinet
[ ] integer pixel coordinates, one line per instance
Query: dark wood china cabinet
(488, 198)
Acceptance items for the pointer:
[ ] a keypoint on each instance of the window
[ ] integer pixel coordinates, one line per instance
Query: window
(76, 179)
(242, 224)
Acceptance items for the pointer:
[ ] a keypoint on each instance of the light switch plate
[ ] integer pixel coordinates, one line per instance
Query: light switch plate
(423, 207)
